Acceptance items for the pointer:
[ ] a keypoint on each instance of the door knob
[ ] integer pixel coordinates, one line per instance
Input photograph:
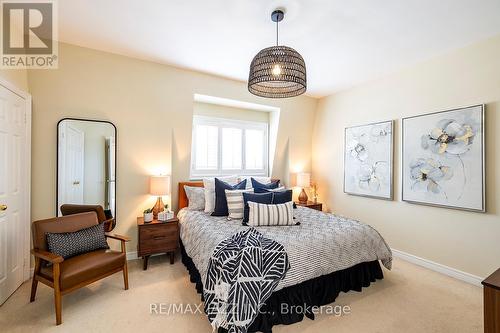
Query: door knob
(3, 207)
(76, 182)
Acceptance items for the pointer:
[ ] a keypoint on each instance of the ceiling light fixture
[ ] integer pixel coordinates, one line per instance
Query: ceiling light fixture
(277, 71)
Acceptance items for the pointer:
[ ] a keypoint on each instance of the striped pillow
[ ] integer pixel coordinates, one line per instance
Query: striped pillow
(235, 203)
(267, 215)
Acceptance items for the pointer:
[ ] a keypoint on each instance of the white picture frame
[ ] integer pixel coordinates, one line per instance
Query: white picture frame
(368, 160)
(443, 159)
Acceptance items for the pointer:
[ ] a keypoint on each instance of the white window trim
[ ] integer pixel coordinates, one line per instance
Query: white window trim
(232, 123)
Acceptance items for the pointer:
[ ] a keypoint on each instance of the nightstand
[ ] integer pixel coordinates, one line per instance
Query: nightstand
(491, 301)
(157, 237)
(310, 204)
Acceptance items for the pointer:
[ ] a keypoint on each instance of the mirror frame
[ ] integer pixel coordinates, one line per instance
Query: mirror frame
(57, 159)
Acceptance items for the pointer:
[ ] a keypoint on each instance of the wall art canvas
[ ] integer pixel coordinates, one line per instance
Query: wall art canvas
(443, 159)
(368, 154)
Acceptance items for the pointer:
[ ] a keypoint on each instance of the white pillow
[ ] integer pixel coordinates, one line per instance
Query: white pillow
(235, 204)
(262, 180)
(196, 197)
(209, 186)
(267, 215)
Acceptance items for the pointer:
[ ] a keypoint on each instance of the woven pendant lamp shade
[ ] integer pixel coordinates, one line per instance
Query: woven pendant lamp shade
(277, 72)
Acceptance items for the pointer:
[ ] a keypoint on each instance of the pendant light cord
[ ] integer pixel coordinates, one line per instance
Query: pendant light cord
(277, 32)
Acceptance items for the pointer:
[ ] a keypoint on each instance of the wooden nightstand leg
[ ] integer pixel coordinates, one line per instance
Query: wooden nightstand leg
(145, 262)
(172, 257)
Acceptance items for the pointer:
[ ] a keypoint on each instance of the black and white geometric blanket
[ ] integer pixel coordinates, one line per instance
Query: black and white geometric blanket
(243, 272)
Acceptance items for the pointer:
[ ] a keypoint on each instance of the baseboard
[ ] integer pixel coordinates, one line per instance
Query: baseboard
(434, 266)
(132, 255)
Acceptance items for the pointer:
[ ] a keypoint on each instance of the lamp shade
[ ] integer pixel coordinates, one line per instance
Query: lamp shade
(159, 185)
(277, 72)
(303, 179)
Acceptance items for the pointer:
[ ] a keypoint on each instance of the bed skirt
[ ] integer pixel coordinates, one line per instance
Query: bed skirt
(319, 291)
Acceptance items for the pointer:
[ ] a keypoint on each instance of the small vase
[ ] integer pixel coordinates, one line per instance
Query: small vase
(148, 217)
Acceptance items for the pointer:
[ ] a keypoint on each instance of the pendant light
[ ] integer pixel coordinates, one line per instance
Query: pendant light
(277, 71)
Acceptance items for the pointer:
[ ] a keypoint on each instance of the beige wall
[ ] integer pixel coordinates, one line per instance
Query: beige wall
(152, 107)
(227, 112)
(462, 240)
(17, 77)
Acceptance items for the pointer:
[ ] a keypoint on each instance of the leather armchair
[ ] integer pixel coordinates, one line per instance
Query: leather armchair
(70, 209)
(67, 275)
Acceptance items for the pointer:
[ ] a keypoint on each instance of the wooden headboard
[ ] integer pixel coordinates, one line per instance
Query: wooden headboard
(183, 200)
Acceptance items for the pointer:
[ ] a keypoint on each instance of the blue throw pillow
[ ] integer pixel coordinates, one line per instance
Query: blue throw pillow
(220, 196)
(264, 198)
(282, 197)
(262, 188)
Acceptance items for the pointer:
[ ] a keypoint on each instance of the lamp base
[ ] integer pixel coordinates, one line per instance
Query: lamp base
(158, 207)
(303, 197)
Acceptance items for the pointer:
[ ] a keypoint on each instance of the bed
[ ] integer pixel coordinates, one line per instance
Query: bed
(327, 253)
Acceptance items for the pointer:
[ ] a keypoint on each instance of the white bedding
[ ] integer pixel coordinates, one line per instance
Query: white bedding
(322, 244)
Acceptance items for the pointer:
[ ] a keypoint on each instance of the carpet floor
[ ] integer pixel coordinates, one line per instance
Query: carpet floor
(409, 299)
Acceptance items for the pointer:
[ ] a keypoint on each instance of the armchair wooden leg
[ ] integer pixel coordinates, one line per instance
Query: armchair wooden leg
(125, 268)
(125, 275)
(34, 283)
(57, 294)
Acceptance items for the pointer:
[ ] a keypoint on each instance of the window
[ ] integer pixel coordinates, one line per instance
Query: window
(228, 147)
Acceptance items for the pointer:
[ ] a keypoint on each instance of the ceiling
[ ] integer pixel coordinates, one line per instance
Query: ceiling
(344, 43)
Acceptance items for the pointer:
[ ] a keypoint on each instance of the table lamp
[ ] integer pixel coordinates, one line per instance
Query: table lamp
(303, 181)
(159, 186)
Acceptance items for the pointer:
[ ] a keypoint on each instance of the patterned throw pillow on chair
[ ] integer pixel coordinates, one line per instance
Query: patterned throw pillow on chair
(70, 244)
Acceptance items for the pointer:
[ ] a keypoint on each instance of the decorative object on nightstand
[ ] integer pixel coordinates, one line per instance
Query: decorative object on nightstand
(314, 188)
(159, 186)
(157, 237)
(491, 294)
(303, 181)
(165, 215)
(148, 215)
(310, 204)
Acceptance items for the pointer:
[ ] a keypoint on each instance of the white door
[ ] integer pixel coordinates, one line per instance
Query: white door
(71, 165)
(14, 188)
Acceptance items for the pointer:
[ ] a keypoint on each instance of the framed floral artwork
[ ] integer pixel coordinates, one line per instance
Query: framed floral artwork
(368, 160)
(443, 159)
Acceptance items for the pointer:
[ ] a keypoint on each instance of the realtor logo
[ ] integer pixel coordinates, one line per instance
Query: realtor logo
(29, 34)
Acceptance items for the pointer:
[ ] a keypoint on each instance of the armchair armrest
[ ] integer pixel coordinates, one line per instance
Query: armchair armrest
(109, 224)
(48, 256)
(121, 238)
(118, 237)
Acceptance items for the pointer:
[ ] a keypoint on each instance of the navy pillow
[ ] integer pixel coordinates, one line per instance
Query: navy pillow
(282, 197)
(220, 195)
(262, 188)
(264, 198)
